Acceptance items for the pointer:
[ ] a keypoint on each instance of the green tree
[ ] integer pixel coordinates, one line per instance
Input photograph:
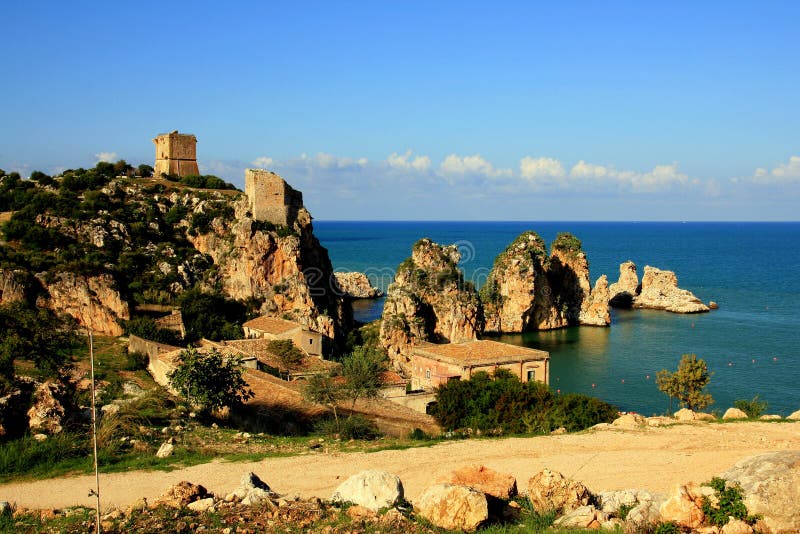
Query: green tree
(210, 380)
(37, 335)
(362, 371)
(289, 356)
(688, 383)
(326, 390)
(144, 170)
(211, 316)
(753, 407)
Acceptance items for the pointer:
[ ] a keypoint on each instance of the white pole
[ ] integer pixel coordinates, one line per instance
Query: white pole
(95, 491)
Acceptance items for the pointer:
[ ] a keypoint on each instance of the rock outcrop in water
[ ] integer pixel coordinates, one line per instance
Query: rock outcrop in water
(594, 311)
(658, 291)
(356, 285)
(429, 301)
(529, 290)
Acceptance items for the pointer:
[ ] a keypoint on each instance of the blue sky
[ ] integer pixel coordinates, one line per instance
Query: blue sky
(429, 110)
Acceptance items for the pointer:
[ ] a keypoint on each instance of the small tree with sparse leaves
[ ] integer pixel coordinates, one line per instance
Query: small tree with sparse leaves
(688, 383)
(210, 380)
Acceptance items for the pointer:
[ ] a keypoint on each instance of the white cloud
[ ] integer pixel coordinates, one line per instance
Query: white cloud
(405, 162)
(783, 173)
(531, 168)
(110, 157)
(470, 165)
(328, 161)
(660, 178)
(263, 162)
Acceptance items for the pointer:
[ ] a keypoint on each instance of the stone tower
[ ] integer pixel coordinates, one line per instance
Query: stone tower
(271, 198)
(176, 154)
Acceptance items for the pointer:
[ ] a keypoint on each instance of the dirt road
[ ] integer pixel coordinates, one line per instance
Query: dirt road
(652, 458)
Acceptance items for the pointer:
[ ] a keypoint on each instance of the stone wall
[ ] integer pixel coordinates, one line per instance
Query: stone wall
(176, 154)
(271, 198)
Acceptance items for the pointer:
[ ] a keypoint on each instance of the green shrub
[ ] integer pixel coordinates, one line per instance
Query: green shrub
(730, 504)
(355, 427)
(670, 527)
(136, 361)
(147, 328)
(753, 407)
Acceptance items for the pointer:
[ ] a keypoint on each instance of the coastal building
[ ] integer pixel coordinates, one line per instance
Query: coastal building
(271, 328)
(435, 364)
(269, 362)
(176, 154)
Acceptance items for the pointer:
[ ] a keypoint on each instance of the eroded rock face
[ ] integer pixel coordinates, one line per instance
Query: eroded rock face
(48, 413)
(771, 488)
(527, 290)
(550, 490)
(594, 311)
(356, 285)
(11, 288)
(683, 507)
(660, 291)
(93, 301)
(453, 507)
(498, 485)
(289, 270)
(624, 290)
(429, 301)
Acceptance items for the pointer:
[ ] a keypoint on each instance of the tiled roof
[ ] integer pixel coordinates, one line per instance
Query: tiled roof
(259, 348)
(271, 325)
(479, 351)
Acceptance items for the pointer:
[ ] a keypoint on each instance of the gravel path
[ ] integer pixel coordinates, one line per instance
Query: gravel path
(652, 458)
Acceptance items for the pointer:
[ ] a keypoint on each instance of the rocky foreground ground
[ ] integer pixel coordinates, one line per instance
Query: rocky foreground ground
(656, 460)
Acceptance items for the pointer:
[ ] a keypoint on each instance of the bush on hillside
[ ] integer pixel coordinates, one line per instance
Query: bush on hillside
(502, 404)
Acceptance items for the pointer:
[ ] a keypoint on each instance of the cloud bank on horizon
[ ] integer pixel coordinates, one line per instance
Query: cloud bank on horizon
(385, 189)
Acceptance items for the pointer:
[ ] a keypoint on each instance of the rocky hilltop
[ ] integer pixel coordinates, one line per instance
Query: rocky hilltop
(94, 246)
(658, 291)
(429, 300)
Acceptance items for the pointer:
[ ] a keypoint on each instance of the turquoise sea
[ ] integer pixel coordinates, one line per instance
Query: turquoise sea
(752, 270)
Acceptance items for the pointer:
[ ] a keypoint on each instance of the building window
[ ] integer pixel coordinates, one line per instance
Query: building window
(310, 341)
(428, 374)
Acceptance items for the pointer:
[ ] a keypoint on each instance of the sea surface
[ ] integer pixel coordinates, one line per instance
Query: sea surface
(752, 270)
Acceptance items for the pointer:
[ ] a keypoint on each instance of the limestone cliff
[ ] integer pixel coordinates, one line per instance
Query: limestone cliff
(429, 301)
(356, 285)
(93, 301)
(101, 245)
(658, 291)
(625, 289)
(287, 269)
(529, 290)
(12, 289)
(594, 311)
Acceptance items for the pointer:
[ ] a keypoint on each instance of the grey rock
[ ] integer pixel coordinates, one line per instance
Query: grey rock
(771, 487)
(372, 489)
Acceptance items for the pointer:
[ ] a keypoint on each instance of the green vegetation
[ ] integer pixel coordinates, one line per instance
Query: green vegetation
(288, 355)
(360, 379)
(147, 328)
(211, 316)
(209, 380)
(754, 407)
(688, 383)
(566, 242)
(501, 404)
(37, 335)
(730, 504)
(201, 181)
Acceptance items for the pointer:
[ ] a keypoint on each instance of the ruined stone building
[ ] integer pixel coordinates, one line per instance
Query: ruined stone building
(271, 198)
(176, 154)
